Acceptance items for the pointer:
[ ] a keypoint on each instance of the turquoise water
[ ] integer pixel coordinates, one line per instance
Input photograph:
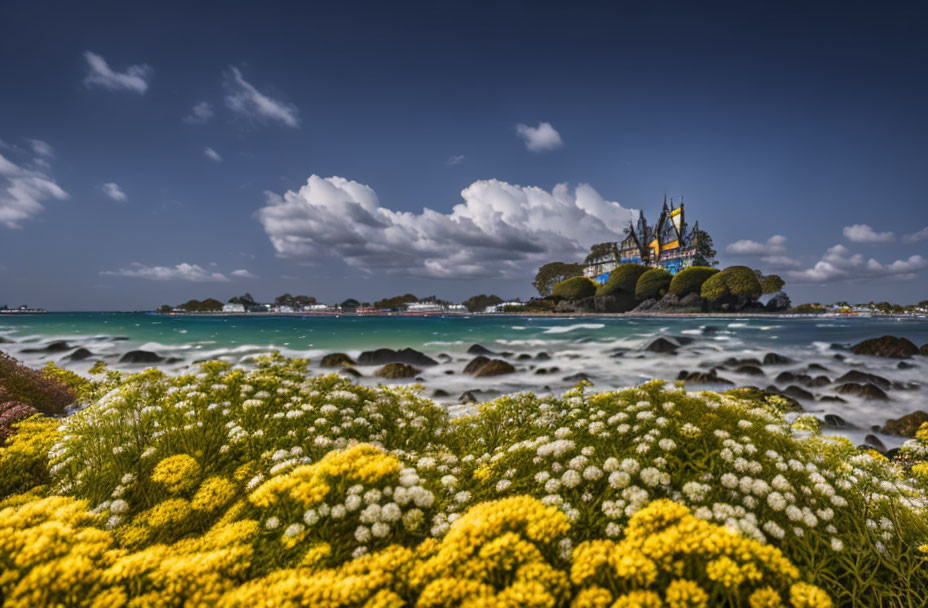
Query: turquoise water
(609, 350)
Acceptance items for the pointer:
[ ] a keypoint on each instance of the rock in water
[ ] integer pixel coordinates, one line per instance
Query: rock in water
(479, 349)
(775, 359)
(79, 355)
(662, 345)
(907, 425)
(350, 371)
(336, 360)
(863, 378)
(865, 391)
(475, 364)
(382, 356)
(141, 356)
(709, 377)
(798, 393)
(438, 392)
(543, 357)
(394, 371)
(874, 441)
(836, 422)
(580, 377)
(886, 346)
(750, 370)
(58, 346)
(495, 367)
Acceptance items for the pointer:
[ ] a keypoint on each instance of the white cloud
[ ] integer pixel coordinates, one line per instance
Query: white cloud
(199, 114)
(781, 261)
(112, 190)
(22, 191)
(212, 155)
(135, 78)
(241, 273)
(193, 273)
(42, 149)
(774, 245)
(500, 230)
(540, 138)
(839, 264)
(916, 237)
(457, 159)
(862, 233)
(245, 99)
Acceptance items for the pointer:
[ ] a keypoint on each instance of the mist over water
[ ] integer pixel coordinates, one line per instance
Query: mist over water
(610, 351)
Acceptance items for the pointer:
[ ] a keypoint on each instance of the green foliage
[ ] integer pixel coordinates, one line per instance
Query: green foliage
(622, 280)
(705, 250)
(690, 280)
(24, 458)
(809, 308)
(165, 308)
(555, 272)
(600, 251)
(480, 303)
(539, 305)
(245, 300)
(576, 288)
(737, 281)
(396, 302)
(207, 305)
(653, 284)
(45, 393)
(294, 301)
(772, 283)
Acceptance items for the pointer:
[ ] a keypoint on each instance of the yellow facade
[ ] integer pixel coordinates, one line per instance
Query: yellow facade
(670, 245)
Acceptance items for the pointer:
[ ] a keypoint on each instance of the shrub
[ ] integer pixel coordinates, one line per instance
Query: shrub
(26, 385)
(653, 284)
(772, 283)
(622, 280)
(690, 280)
(575, 288)
(737, 281)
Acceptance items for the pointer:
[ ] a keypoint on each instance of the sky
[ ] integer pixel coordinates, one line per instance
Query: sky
(153, 152)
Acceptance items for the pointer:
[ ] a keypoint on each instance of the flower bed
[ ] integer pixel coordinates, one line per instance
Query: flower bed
(233, 487)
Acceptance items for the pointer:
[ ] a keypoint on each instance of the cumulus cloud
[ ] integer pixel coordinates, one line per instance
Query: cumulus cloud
(862, 233)
(212, 155)
(244, 98)
(241, 273)
(135, 78)
(193, 273)
(457, 159)
(916, 237)
(839, 264)
(199, 114)
(112, 190)
(499, 230)
(541, 138)
(22, 191)
(774, 245)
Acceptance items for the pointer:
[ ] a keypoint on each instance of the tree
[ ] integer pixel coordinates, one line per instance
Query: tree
(245, 300)
(481, 302)
(555, 272)
(575, 288)
(601, 250)
(294, 301)
(705, 249)
(165, 308)
(771, 283)
(396, 302)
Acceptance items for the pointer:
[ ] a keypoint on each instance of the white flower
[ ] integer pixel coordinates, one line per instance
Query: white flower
(776, 501)
(552, 486)
(666, 444)
(339, 511)
(391, 512)
(462, 497)
(380, 529)
(729, 480)
(650, 476)
(592, 473)
(119, 506)
(502, 485)
(619, 479)
(570, 478)
(836, 544)
(272, 523)
(630, 466)
(362, 534)
(352, 502)
(292, 530)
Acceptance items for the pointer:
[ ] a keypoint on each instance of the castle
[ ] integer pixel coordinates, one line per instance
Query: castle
(669, 245)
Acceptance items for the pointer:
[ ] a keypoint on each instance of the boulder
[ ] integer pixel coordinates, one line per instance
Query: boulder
(693, 302)
(816, 382)
(784, 377)
(776, 359)
(815, 367)
(438, 392)
(524, 357)
(141, 356)
(864, 391)
(382, 356)
(886, 346)
(798, 393)
(874, 442)
(395, 371)
(350, 371)
(336, 360)
(469, 397)
(663, 346)
(750, 370)
(831, 399)
(863, 378)
(475, 364)
(579, 377)
(923, 350)
(494, 367)
(79, 355)
(709, 377)
(836, 422)
(444, 357)
(906, 425)
(905, 365)
(543, 357)
(541, 371)
(58, 346)
(478, 349)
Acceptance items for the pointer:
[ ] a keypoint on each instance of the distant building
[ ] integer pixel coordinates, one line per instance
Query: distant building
(233, 307)
(282, 308)
(315, 308)
(424, 307)
(670, 245)
(502, 306)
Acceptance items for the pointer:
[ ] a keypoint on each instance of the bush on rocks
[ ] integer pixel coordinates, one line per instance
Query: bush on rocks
(738, 282)
(622, 280)
(690, 280)
(653, 284)
(575, 288)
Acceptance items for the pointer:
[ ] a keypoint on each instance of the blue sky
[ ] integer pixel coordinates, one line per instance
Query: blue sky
(153, 152)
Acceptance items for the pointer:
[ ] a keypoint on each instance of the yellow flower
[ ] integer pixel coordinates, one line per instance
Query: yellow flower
(213, 494)
(803, 595)
(177, 473)
(683, 593)
(765, 597)
(638, 599)
(592, 597)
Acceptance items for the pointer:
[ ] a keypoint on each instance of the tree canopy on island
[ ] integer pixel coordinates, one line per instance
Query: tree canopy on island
(555, 272)
(207, 305)
(294, 301)
(481, 302)
(396, 302)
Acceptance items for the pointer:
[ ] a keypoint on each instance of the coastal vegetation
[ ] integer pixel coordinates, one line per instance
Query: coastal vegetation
(235, 487)
(653, 284)
(690, 280)
(479, 303)
(555, 272)
(575, 288)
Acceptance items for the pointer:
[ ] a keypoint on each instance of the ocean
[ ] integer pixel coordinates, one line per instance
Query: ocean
(610, 351)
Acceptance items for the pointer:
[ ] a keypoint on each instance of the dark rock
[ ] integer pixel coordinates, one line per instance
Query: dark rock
(836, 346)
(874, 441)
(815, 382)
(494, 367)
(479, 349)
(438, 392)
(779, 301)
(394, 371)
(475, 364)
(798, 393)
(524, 357)
(839, 357)
(776, 359)
(693, 302)
(382, 356)
(173, 360)
(784, 377)
(445, 357)
(336, 360)
(865, 391)
(662, 345)
(815, 367)
(469, 397)
(734, 362)
(831, 399)
(750, 370)
(906, 425)
(543, 357)
(119, 338)
(923, 350)
(541, 371)
(449, 372)
(506, 354)
(836, 422)
(709, 377)
(886, 346)
(140, 356)
(350, 371)
(905, 365)
(79, 355)
(863, 378)
(58, 346)
(684, 340)
(580, 377)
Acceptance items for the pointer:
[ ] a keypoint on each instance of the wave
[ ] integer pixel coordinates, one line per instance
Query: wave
(563, 329)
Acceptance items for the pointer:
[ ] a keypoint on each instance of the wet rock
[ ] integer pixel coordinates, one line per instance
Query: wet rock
(494, 367)
(798, 393)
(815, 367)
(469, 397)
(141, 356)
(684, 340)
(863, 378)
(734, 362)
(906, 386)
(839, 357)
(836, 346)
(874, 442)
(350, 371)
(449, 372)
(906, 425)
(119, 338)
(336, 360)
(479, 349)
(541, 371)
(905, 365)
(750, 370)
(524, 357)
(574, 378)
(173, 360)
(784, 377)
(836, 422)
(831, 399)
(923, 350)
(886, 346)
(395, 371)
(816, 382)
(506, 354)
(865, 391)
(543, 357)
(382, 356)
(79, 355)
(444, 357)
(776, 359)
(475, 364)
(663, 346)
(709, 377)
(58, 346)
(438, 392)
